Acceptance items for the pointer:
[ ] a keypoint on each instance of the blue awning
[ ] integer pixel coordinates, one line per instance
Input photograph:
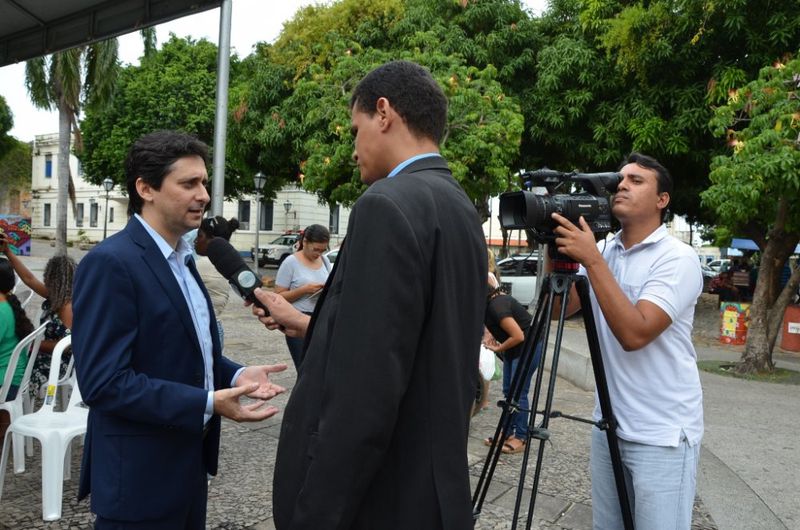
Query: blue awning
(749, 244)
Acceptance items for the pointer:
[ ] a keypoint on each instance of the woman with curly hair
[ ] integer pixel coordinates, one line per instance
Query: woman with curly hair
(56, 289)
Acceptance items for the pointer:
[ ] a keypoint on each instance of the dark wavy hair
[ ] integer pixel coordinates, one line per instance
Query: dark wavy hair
(412, 92)
(151, 157)
(22, 324)
(217, 226)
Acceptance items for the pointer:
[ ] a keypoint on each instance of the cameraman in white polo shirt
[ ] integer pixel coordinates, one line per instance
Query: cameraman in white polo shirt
(644, 286)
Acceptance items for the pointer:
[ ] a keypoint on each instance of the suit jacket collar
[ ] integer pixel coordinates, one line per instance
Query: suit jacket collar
(425, 164)
(155, 261)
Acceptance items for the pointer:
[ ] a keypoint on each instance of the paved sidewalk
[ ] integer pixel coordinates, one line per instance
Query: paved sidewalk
(748, 475)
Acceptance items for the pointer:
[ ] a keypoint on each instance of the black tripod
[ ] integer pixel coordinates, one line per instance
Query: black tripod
(557, 285)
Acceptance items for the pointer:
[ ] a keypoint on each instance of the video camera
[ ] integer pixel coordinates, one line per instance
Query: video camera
(528, 210)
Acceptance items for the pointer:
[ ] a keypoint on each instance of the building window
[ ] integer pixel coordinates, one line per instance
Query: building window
(111, 215)
(266, 215)
(93, 210)
(48, 166)
(46, 221)
(80, 168)
(79, 215)
(244, 215)
(333, 219)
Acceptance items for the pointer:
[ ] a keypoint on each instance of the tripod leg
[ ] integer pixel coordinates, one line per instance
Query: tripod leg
(560, 287)
(601, 384)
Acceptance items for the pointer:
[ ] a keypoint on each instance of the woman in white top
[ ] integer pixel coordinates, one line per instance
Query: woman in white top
(301, 277)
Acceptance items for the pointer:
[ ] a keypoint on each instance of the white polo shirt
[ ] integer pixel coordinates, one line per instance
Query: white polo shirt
(655, 391)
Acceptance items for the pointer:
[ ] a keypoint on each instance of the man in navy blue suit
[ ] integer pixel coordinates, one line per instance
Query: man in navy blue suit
(147, 351)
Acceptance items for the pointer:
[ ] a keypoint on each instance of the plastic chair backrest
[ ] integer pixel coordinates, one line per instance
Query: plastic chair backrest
(32, 343)
(55, 369)
(23, 301)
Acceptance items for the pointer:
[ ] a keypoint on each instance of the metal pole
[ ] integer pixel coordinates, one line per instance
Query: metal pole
(221, 122)
(256, 252)
(105, 220)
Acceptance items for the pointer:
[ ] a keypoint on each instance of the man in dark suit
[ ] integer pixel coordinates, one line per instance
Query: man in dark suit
(147, 351)
(375, 432)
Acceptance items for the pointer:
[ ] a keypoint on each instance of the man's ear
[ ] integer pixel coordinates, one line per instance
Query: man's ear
(144, 190)
(385, 112)
(663, 200)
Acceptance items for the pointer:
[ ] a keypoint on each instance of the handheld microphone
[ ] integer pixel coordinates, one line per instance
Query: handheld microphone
(230, 264)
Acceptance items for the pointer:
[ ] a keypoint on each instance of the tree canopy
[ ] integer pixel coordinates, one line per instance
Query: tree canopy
(755, 188)
(172, 88)
(6, 124)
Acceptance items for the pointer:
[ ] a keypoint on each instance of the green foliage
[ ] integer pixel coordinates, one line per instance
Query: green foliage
(6, 124)
(15, 165)
(173, 88)
(761, 123)
(617, 76)
(294, 120)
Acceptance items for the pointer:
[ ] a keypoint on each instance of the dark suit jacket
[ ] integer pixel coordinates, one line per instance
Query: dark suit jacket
(375, 432)
(140, 370)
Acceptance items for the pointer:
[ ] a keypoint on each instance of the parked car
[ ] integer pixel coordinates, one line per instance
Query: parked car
(278, 250)
(518, 277)
(708, 275)
(720, 265)
(332, 254)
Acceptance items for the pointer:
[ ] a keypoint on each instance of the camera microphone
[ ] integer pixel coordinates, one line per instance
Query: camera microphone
(230, 264)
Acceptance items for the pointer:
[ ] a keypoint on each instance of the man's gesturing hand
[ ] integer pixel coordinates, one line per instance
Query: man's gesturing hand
(259, 375)
(226, 403)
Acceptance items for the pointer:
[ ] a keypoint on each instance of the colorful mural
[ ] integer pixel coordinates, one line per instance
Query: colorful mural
(18, 232)
(735, 318)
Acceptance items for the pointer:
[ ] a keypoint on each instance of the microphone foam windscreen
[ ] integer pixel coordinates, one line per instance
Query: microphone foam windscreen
(224, 257)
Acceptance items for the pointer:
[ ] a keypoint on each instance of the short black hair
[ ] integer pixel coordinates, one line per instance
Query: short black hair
(412, 92)
(151, 157)
(663, 178)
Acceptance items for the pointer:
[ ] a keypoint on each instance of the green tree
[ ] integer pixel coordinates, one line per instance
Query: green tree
(754, 192)
(325, 51)
(15, 167)
(6, 124)
(628, 75)
(81, 77)
(172, 88)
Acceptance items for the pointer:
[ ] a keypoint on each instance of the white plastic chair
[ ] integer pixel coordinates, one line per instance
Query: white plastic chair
(16, 407)
(55, 431)
(27, 298)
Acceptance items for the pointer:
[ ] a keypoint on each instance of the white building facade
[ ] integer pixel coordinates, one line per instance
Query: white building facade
(293, 208)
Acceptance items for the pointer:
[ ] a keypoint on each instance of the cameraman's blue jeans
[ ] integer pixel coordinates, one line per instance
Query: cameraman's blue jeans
(519, 423)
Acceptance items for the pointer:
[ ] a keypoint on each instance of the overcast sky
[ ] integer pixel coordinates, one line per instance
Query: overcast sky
(253, 21)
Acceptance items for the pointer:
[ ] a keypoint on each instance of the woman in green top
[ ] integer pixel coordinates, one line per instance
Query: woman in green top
(14, 326)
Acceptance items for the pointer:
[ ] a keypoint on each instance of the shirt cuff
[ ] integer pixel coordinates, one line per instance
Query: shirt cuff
(236, 376)
(209, 407)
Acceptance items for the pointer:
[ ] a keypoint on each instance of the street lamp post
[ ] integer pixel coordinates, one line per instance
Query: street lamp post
(287, 206)
(259, 179)
(108, 185)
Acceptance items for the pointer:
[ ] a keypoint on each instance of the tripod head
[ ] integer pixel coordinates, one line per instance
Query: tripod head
(561, 263)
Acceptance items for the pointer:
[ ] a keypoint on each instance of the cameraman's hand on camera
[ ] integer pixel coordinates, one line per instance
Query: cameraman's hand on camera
(576, 242)
(283, 316)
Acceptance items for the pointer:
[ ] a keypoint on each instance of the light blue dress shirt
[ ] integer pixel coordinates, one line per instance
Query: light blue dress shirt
(402, 165)
(197, 305)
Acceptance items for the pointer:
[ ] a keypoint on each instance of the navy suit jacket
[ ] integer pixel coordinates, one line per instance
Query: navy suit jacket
(140, 369)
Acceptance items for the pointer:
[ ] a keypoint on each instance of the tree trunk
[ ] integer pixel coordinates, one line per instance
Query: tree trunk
(64, 127)
(766, 311)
